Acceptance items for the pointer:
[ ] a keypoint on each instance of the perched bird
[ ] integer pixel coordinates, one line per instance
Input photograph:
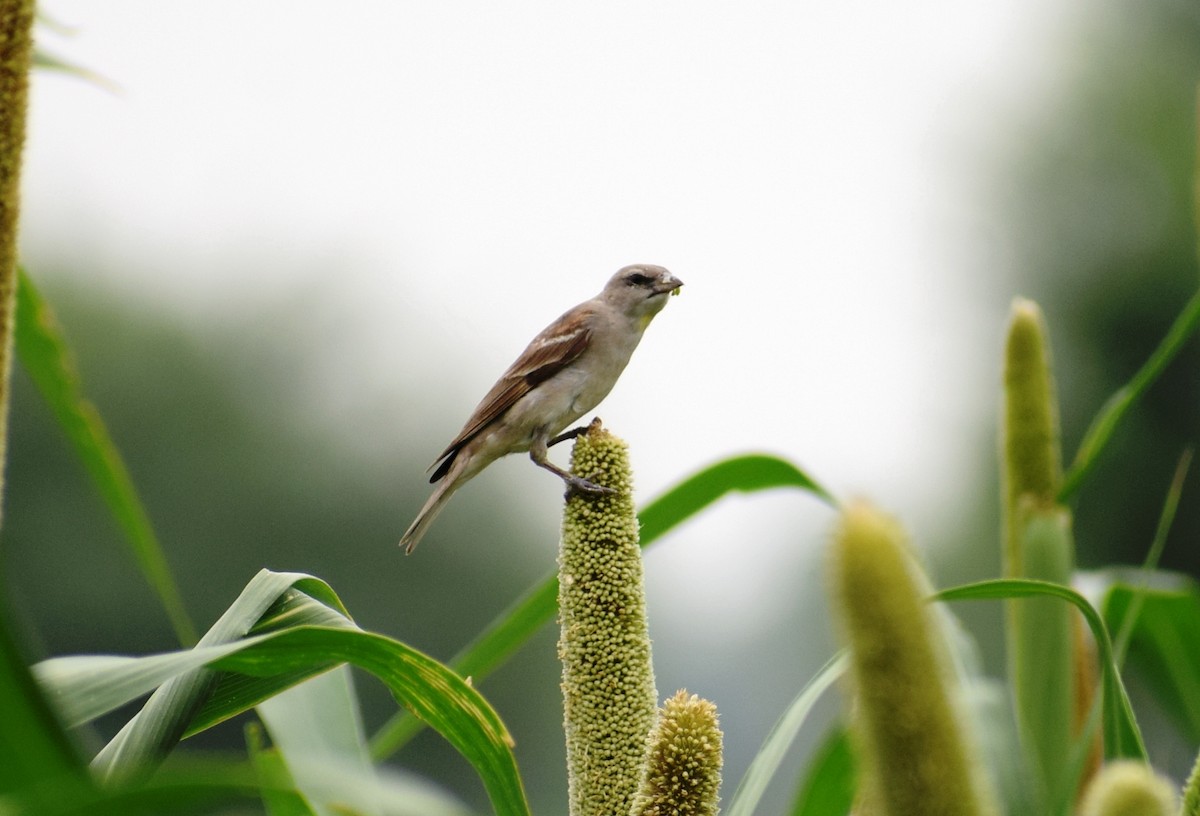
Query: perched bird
(561, 375)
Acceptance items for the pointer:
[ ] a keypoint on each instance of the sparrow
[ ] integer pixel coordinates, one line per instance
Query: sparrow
(564, 373)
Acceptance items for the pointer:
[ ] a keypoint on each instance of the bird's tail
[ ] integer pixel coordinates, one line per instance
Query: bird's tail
(428, 513)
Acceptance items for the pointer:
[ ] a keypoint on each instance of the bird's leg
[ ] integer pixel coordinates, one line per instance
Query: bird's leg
(575, 484)
(565, 435)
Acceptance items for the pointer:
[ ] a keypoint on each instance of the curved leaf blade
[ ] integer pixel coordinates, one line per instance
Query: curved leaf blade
(1122, 738)
(744, 474)
(284, 654)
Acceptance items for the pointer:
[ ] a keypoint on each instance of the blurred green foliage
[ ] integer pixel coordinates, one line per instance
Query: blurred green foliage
(1097, 194)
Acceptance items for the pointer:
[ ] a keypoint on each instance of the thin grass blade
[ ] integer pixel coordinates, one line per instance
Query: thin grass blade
(1109, 418)
(46, 357)
(762, 769)
(1153, 555)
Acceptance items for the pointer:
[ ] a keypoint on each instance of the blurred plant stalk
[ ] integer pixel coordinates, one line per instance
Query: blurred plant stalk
(16, 57)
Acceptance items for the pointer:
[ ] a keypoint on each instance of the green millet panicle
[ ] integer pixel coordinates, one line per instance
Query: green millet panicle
(608, 683)
(683, 764)
(1128, 788)
(911, 743)
(1031, 458)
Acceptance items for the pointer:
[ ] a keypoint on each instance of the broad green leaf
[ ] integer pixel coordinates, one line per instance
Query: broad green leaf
(434, 693)
(83, 687)
(513, 627)
(236, 692)
(161, 723)
(317, 725)
(46, 357)
(430, 690)
(1164, 642)
(1108, 419)
(1122, 739)
(831, 780)
(762, 769)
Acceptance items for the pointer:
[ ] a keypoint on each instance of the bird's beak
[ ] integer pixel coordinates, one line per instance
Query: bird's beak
(670, 284)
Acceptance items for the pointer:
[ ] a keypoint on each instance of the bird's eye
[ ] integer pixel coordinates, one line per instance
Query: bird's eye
(638, 279)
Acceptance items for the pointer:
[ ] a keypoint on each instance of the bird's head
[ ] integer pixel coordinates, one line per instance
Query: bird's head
(641, 290)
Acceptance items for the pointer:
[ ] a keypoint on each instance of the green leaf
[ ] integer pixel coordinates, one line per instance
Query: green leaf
(1122, 739)
(762, 769)
(430, 690)
(1164, 642)
(746, 474)
(317, 725)
(1107, 420)
(433, 692)
(161, 723)
(279, 794)
(831, 781)
(513, 627)
(398, 794)
(84, 687)
(47, 359)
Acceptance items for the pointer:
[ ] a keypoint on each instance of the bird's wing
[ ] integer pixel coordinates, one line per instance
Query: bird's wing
(559, 345)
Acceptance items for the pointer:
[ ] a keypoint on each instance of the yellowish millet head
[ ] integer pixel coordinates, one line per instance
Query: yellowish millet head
(1128, 788)
(608, 681)
(683, 763)
(905, 725)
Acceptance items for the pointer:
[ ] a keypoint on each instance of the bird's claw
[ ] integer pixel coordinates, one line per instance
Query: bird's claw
(577, 484)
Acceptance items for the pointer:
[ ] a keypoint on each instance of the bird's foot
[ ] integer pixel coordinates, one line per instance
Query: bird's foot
(579, 485)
